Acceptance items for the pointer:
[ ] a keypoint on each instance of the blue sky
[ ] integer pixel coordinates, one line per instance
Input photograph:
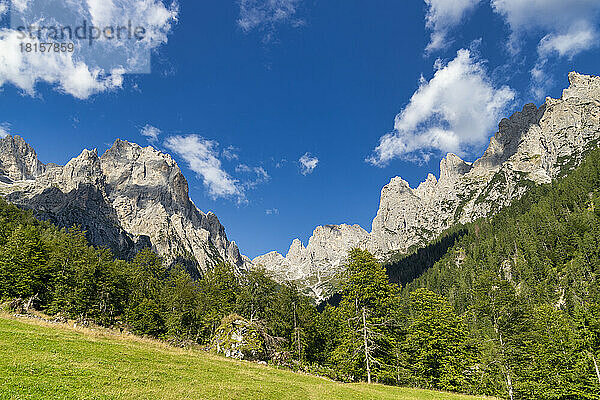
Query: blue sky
(241, 92)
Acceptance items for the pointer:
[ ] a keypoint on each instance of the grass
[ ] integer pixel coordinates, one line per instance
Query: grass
(43, 361)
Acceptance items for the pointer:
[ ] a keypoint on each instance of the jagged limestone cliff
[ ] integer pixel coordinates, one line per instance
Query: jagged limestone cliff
(532, 147)
(130, 198)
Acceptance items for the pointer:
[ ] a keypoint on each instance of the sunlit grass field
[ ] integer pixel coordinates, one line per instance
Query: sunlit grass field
(43, 361)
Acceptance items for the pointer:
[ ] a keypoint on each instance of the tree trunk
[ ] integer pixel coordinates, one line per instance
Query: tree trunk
(508, 380)
(30, 302)
(297, 334)
(596, 366)
(364, 318)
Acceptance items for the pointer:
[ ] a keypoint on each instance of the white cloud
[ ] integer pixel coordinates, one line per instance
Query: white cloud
(25, 70)
(455, 111)
(4, 130)
(151, 132)
(272, 211)
(568, 27)
(550, 15)
(3, 7)
(280, 163)
(266, 14)
(563, 28)
(230, 153)
(89, 69)
(20, 5)
(568, 44)
(201, 156)
(308, 163)
(442, 16)
(259, 175)
(562, 45)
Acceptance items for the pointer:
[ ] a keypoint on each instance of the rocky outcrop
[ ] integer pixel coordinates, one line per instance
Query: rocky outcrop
(315, 266)
(241, 339)
(127, 199)
(18, 160)
(534, 146)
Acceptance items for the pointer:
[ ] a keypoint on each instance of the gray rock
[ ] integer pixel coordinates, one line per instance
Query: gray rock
(18, 160)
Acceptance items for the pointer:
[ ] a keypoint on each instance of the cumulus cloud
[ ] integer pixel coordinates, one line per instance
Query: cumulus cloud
(90, 68)
(151, 132)
(566, 27)
(265, 15)
(442, 16)
(201, 156)
(563, 28)
(455, 111)
(308, 163)
(568, 44)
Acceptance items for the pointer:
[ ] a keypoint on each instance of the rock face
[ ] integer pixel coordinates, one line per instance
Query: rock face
(532, 147)
(128, 199)
(315, 265)
(18, 160)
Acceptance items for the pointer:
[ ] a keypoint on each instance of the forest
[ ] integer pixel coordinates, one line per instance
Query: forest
(507, 306)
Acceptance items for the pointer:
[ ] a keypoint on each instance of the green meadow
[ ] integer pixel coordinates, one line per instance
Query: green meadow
(43, 361)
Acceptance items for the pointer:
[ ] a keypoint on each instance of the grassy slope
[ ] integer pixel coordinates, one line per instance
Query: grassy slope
(38, 361)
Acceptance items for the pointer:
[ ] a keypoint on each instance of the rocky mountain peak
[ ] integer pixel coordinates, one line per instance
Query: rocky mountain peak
(18, 160)
(426, 188)
(580, 86)
(128, 198)
(296, 250)
(83, 169)
(453, 167)
(505, 142)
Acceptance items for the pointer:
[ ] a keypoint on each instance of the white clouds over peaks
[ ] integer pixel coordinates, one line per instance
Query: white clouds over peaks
(201, 156)
(442, 16)
(308, 163)
(89, 69)
(563, 28)
(456, 110)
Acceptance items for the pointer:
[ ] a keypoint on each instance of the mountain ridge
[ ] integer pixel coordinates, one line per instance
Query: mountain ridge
(531, 147)
(129, 198)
